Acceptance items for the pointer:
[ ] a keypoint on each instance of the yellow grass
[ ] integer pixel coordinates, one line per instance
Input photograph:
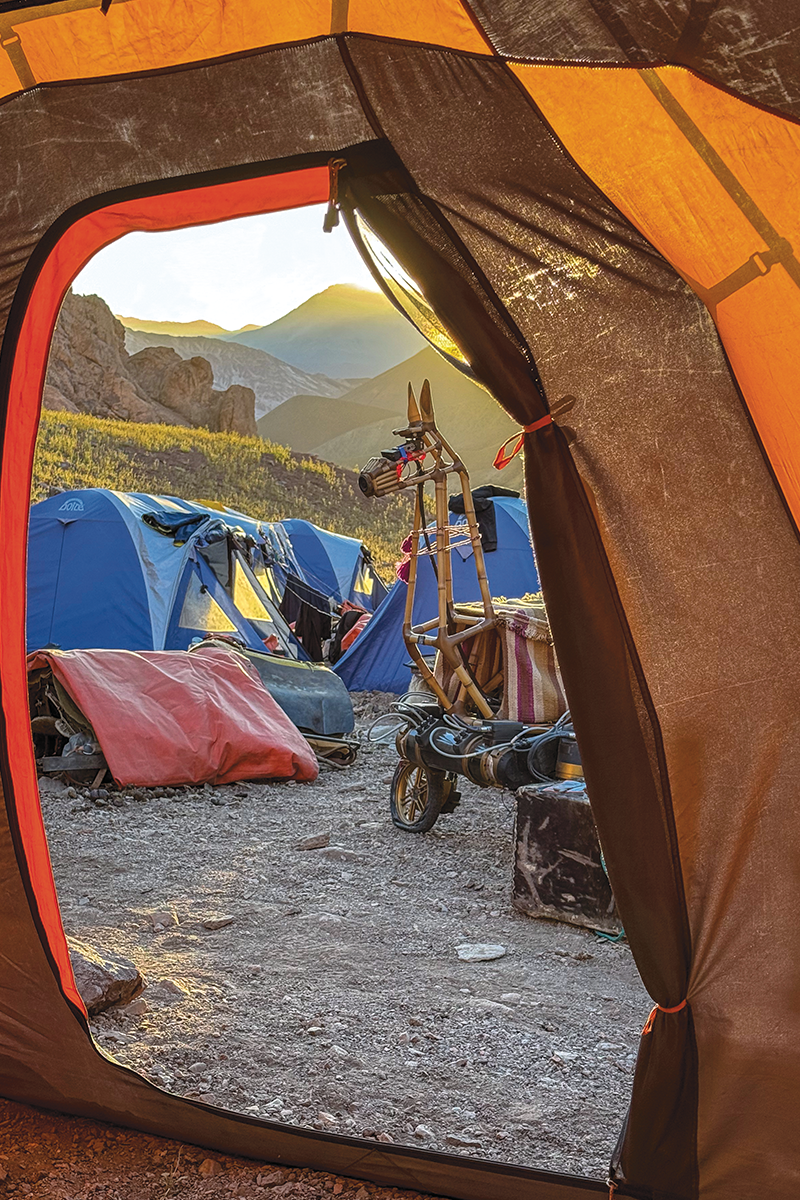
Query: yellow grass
(260, 478)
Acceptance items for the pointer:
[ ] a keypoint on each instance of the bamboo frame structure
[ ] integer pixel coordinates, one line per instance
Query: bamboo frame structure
(425, 440)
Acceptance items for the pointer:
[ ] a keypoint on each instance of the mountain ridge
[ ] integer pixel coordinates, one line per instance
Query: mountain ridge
(344, 331)
(198, 328)
(272, 380)
(469, 417)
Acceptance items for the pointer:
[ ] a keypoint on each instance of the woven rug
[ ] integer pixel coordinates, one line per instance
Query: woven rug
(520, 645)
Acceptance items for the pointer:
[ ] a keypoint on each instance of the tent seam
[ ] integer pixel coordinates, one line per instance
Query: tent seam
(521, 59)
(653, 65)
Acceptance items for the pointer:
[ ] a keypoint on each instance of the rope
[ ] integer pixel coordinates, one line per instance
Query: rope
(648, 1025)
(501, 459)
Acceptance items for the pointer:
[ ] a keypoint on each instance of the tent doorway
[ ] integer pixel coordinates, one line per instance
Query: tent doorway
(507, 1034)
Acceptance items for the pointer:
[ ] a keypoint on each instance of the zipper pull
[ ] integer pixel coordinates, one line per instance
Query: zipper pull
(332, 214)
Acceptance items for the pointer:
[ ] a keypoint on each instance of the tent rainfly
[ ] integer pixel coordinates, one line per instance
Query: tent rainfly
(340, 567)
(597, 202)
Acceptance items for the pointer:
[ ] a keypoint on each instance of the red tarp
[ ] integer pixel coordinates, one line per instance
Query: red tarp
(166, 717)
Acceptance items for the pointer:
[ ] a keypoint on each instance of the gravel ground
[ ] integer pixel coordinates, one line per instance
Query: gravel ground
(322, 987)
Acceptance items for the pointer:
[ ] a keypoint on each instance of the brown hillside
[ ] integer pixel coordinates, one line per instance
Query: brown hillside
(466, 414)
(304, 422)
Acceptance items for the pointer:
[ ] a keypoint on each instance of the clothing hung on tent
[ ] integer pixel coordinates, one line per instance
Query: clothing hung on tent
(483, 502)
(308, 611)
(339, 566)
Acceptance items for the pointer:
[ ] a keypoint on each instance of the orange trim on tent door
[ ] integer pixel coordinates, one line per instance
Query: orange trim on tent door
(78, 244)
(711, 182)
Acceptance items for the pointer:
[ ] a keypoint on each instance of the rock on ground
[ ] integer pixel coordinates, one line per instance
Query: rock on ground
(103, 978)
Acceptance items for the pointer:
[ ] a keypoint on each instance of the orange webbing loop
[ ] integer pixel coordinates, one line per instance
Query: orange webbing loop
(648, 1025)
(612, 1187)
(501, 459)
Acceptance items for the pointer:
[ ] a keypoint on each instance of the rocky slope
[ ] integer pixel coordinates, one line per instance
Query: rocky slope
(345, 331)
(91, 371)
(272, 380)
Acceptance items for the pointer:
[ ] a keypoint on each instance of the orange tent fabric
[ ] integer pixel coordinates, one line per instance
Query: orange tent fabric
(710, 181)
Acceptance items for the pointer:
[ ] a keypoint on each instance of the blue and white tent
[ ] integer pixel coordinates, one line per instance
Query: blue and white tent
(338, 566)
(130, 571)
(377, 660)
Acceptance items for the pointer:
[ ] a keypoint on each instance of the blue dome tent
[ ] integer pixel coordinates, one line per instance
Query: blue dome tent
(130, 571)
(275, 545)
(377, 660)
(340, 567)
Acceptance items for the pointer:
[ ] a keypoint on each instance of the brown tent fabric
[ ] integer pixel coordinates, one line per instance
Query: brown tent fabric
(747, 46)
(598, 199)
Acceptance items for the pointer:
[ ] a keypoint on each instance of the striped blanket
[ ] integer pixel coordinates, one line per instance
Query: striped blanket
(517, 658)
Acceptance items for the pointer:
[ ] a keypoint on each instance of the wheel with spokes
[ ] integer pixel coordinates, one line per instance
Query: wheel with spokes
(417, 796)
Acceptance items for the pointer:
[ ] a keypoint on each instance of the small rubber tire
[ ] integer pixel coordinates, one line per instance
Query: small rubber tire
(417, 796)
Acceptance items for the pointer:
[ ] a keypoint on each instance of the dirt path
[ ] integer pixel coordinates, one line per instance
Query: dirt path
(335, 997)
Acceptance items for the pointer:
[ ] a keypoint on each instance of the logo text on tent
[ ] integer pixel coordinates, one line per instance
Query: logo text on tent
(72, 506)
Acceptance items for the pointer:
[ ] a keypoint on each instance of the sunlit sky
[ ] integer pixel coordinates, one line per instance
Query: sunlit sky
(248, 271)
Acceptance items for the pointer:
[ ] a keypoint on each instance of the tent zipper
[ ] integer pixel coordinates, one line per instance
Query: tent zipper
(332, 214)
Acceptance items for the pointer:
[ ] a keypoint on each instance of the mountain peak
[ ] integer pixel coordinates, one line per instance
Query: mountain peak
(344, 331)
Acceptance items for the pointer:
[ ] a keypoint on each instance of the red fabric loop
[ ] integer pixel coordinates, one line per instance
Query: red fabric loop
(648, 1025)
(677, 1007)
(540, 424)
(501, 459)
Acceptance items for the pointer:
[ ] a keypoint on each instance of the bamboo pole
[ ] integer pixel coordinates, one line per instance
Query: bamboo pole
(424, 439)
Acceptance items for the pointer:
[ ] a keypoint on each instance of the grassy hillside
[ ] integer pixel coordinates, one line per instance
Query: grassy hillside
(344, 332)
(306, 421)
(469, 418)
(257, 477)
